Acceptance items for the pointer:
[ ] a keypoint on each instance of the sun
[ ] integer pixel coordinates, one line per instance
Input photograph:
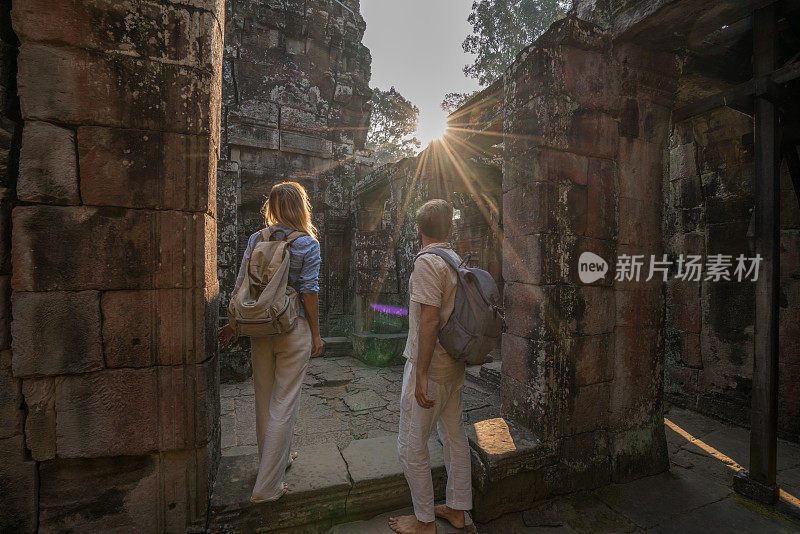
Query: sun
(432, 126)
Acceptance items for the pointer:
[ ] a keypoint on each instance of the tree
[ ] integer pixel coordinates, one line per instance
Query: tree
(501, 28)
(453, 101)
(392, 126)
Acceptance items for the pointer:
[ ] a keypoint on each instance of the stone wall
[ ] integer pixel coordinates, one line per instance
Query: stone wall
(18, 472)
(708, 199)
(295, 107)
(114, 302)
(386, 239)
(585, 125)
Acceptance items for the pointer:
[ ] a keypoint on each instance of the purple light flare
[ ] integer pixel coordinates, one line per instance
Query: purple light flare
(388, 309)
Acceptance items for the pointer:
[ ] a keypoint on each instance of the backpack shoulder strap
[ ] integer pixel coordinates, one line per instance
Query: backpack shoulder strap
(289, 237)
(442, 254)
(294, 235)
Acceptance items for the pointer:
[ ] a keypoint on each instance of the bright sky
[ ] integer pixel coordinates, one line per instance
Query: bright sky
(416, 47)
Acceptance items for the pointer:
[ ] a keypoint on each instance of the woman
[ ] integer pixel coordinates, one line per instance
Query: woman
(280, 362)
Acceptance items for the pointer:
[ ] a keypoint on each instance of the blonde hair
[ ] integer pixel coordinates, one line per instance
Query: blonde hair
(288, 205)
(435, 218)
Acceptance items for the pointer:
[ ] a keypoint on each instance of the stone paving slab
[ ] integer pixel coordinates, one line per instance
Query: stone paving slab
(732, 515)
(342, 400)
(650, 501)
(378, 480)
(369, 460)
(318, 486)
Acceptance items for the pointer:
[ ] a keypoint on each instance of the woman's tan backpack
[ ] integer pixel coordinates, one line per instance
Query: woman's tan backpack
(266, 305)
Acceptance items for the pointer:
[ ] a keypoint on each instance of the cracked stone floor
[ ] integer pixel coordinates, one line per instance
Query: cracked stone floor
(342, 400)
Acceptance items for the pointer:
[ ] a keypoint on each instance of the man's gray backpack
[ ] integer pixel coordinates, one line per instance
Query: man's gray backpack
(473, 329)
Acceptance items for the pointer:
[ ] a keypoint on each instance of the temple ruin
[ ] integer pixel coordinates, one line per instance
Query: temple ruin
(139, 140)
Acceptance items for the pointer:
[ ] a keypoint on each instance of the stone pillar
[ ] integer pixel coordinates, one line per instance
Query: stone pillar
(582, 361)
(18, 490)
(114, 259)
(649, 81)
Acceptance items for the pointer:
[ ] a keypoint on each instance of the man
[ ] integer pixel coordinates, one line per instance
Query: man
(432, 384)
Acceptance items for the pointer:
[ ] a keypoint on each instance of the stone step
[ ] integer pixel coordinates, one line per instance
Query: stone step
(491, 373)
(337, 346)
(326, 487)
(486, 379)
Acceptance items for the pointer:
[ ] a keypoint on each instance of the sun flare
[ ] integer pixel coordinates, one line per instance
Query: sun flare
(432, 126)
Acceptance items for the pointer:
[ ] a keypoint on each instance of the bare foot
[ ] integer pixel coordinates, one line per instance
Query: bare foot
(292, 458)
(409, 524)
(456, 517)
(259, 500)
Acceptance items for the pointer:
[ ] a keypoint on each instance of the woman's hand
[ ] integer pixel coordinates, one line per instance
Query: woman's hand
(227, 335)
(318, 345)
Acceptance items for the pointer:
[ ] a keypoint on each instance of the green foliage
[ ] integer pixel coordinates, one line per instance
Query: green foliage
(501, 28)
(392, 126)
(453, 101)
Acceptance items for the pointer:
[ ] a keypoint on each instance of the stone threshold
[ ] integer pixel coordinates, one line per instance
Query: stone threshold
(327, 486)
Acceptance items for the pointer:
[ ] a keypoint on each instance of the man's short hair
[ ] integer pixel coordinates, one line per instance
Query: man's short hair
(435, 218)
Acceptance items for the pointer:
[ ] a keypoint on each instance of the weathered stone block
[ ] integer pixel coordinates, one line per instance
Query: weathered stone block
(594, 310)
(11, 414)
(6, 206)
(302, 121)
(525, 260)
(641, 223)
(528, 405)
(109, 248)
(691, 354)
(146, 169)
(175, 331)
(188, 405)
(593, 134)
(639, 308)
(592, 358)
(252, 135)
(683, 292)
(601, 217)
(529, 313)
(639, 452)
(40, 423)
(591, 78)
(5, 312)
(524, 360)
(100, 494)
(155, 31)
(640, 171)
(110, 413)
(528, 209)
(683, 161)
(586, 359)
(586, 409)
(18, 485)
(48, 170)
(305, 144)
(122, 91)
(638, 374)
(685, 318)
(56, 333)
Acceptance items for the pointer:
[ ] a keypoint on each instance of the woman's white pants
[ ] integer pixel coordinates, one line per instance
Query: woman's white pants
(279, 367)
